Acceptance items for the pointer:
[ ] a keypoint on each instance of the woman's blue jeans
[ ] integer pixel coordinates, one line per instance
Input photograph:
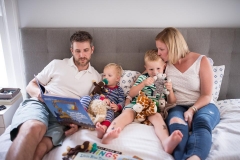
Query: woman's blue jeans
(199, 140)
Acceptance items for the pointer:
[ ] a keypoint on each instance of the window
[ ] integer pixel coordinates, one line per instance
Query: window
(11, 61)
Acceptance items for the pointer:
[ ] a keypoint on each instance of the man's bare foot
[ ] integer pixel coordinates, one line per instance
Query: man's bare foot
(108, 137)
(101, 129)
(172, 141)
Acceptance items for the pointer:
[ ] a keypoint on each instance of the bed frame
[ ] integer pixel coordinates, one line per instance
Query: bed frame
(126, 46)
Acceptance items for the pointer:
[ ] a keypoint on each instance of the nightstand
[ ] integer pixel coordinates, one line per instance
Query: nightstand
(7, 114)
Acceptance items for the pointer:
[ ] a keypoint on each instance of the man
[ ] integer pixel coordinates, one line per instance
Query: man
(35, 130)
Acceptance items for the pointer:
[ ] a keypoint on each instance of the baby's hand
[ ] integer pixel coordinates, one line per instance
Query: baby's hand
(114, 106)
(107, 101)
(127, 101)
(149, 81)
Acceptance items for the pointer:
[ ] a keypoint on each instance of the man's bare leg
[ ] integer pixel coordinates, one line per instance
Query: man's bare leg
(101, 129)
(169, 142)
(24, 145)
(113, 131)
(43, 147)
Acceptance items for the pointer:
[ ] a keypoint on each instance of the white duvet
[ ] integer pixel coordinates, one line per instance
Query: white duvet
(140, 140)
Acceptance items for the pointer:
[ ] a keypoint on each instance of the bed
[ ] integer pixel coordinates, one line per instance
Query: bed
(126, 46)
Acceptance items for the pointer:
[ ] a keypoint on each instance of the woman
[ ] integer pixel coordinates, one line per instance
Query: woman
(192, 80)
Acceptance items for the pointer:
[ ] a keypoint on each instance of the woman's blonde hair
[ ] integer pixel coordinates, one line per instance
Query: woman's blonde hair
(117, 67)
(175, 42)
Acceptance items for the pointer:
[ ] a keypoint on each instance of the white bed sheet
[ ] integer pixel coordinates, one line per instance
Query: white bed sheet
(140, 140)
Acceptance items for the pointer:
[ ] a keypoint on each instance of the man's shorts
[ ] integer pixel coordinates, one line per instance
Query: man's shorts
(32, 109)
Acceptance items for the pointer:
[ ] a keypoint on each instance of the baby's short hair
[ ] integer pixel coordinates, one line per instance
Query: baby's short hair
(151, 55)
(117, 67)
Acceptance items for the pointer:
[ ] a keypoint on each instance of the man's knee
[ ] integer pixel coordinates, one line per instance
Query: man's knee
(33, 127)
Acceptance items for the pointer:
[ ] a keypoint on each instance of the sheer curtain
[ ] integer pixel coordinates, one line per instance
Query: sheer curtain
(3, 72)
(11, 63)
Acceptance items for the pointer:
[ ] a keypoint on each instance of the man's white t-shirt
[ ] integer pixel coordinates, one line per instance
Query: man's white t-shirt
(61, 77)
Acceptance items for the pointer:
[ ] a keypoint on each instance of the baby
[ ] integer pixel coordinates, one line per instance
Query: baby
(114, 96)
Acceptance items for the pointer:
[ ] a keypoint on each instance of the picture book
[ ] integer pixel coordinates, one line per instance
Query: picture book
(89, 156)
(88, 151)
(66, 110)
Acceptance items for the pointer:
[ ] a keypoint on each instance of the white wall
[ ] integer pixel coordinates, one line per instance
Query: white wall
(106, 13)
(129, 13)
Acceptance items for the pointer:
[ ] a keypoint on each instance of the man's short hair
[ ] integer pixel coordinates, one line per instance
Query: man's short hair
(81, 36)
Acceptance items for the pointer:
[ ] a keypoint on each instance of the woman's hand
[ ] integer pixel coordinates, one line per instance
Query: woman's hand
(73, 129)
(168, 85)
(188, 116)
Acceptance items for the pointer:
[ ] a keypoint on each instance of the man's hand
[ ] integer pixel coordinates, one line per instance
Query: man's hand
(73, 129)
(114, 107)
(40, 98)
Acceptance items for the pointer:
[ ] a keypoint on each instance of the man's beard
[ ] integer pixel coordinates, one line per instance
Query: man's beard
(79, 62)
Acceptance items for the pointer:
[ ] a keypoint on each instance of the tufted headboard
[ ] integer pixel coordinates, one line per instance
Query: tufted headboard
(126, 46)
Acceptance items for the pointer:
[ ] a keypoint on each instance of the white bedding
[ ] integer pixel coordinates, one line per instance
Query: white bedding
(140, 140)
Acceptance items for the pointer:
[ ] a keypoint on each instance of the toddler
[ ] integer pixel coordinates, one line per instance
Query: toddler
(114, 96)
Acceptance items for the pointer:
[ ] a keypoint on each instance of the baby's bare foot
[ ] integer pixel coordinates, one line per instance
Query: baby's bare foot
(101, 129)
(108, 137)
(172, 141)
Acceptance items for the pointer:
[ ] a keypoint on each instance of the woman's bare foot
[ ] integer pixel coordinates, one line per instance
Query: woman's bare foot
(101, 129)
(172, 141)
(108, 137)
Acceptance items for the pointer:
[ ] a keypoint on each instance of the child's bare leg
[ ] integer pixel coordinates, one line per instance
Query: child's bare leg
(125, 118)
(169, 142)
(101, 129)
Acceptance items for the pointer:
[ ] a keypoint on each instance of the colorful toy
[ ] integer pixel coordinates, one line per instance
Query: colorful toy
(99, 87)
(144, 107)
(97, 110)
(85, 147)
(160, 79)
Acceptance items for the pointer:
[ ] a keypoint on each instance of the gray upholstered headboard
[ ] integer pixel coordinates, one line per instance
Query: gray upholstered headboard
(127, 46)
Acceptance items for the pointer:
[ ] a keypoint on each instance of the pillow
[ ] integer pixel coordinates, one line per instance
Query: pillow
(218, 72)
(127, 80)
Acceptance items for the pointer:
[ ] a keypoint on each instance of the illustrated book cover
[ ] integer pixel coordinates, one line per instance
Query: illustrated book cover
(90, 156)
(102, 153)
(66, 110)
